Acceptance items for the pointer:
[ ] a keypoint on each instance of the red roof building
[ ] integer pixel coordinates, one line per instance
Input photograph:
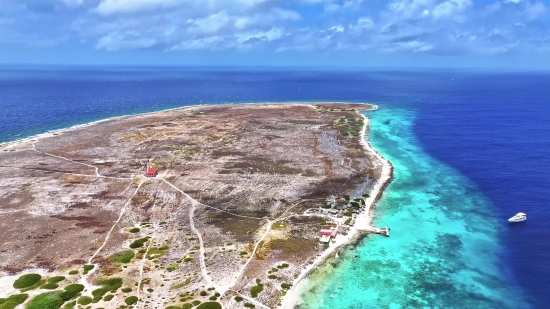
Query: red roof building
(152, 172)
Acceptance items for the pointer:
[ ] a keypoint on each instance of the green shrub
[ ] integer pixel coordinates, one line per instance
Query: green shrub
(348, 221)
(122, 257)
(108, 297)
(56, 279)
(13, 301)
(173, 307)
(203, 293)
(196, 302)
(254, 291)
(154, 253)
(49, 286)
(138, 243)
(73, 272)
(187, 260)
(187, 306)
(272, 277)
(243, 253)
(210, 305)
(87, 268)
(212, 298)
(249, 305)
(134, 230)
(48, 300)
(131, 300)
(70, 305)
(285, 286)
(72, 291)
(126, 290)
(85, 300)
(284, 265)
(27, 281)
(239, 299)
(112, 285)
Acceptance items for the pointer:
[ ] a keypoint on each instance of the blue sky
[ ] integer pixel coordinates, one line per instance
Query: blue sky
(353, 33)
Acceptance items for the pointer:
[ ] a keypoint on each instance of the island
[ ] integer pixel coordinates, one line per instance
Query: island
(199, 207)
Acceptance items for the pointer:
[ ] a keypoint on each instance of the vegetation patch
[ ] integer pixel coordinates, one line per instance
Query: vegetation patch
(254, 291)
(249, 305)
(239, 299)
(186, 306)
(56, 279)
(210, 305)
(126, 290)
(112, 285)
(87, 268)
(49, 286)
(155, 253)
(131, 300)
(285, 286)
(272, 277)
(28, 281)
(181, 285)
(73, 272)
(70, 305)
(134, 230)
(108, 297)
(85, 300)
(72, 291)
(284, 265)
(122, 257)
(48, 300)
(138, 243)
(13, 301)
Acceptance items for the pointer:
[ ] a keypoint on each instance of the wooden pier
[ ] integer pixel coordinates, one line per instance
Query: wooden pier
(385, 231)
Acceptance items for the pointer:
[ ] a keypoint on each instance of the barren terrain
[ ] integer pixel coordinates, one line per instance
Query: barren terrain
(223, 219)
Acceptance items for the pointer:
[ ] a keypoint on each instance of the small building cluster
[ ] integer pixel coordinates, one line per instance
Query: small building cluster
(326, 235)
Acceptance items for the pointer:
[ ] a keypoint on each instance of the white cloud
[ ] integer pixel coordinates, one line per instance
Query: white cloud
(267, 18)
(534, 10)
(130, 40)
(72, 3)
(450, 8)
(210, 24)
(108, 7)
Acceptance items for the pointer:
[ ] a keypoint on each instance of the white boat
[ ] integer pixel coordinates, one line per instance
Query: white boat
(519, 217)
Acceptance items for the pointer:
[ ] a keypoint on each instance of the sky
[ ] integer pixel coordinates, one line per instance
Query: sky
(511, 34)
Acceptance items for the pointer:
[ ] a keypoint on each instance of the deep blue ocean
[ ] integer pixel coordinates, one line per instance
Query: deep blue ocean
(487, 134)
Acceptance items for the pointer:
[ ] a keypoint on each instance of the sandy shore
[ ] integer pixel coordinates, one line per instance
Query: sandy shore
(363, 222)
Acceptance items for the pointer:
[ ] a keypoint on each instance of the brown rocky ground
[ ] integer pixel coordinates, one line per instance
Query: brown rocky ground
(230, 169)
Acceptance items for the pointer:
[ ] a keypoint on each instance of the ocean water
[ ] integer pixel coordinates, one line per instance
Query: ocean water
(469, 149)
(444, 249)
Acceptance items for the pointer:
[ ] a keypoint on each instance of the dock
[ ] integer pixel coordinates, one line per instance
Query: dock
(385, 231)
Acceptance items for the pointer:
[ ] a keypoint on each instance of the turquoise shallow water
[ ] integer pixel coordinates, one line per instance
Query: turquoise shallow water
(443, 251)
